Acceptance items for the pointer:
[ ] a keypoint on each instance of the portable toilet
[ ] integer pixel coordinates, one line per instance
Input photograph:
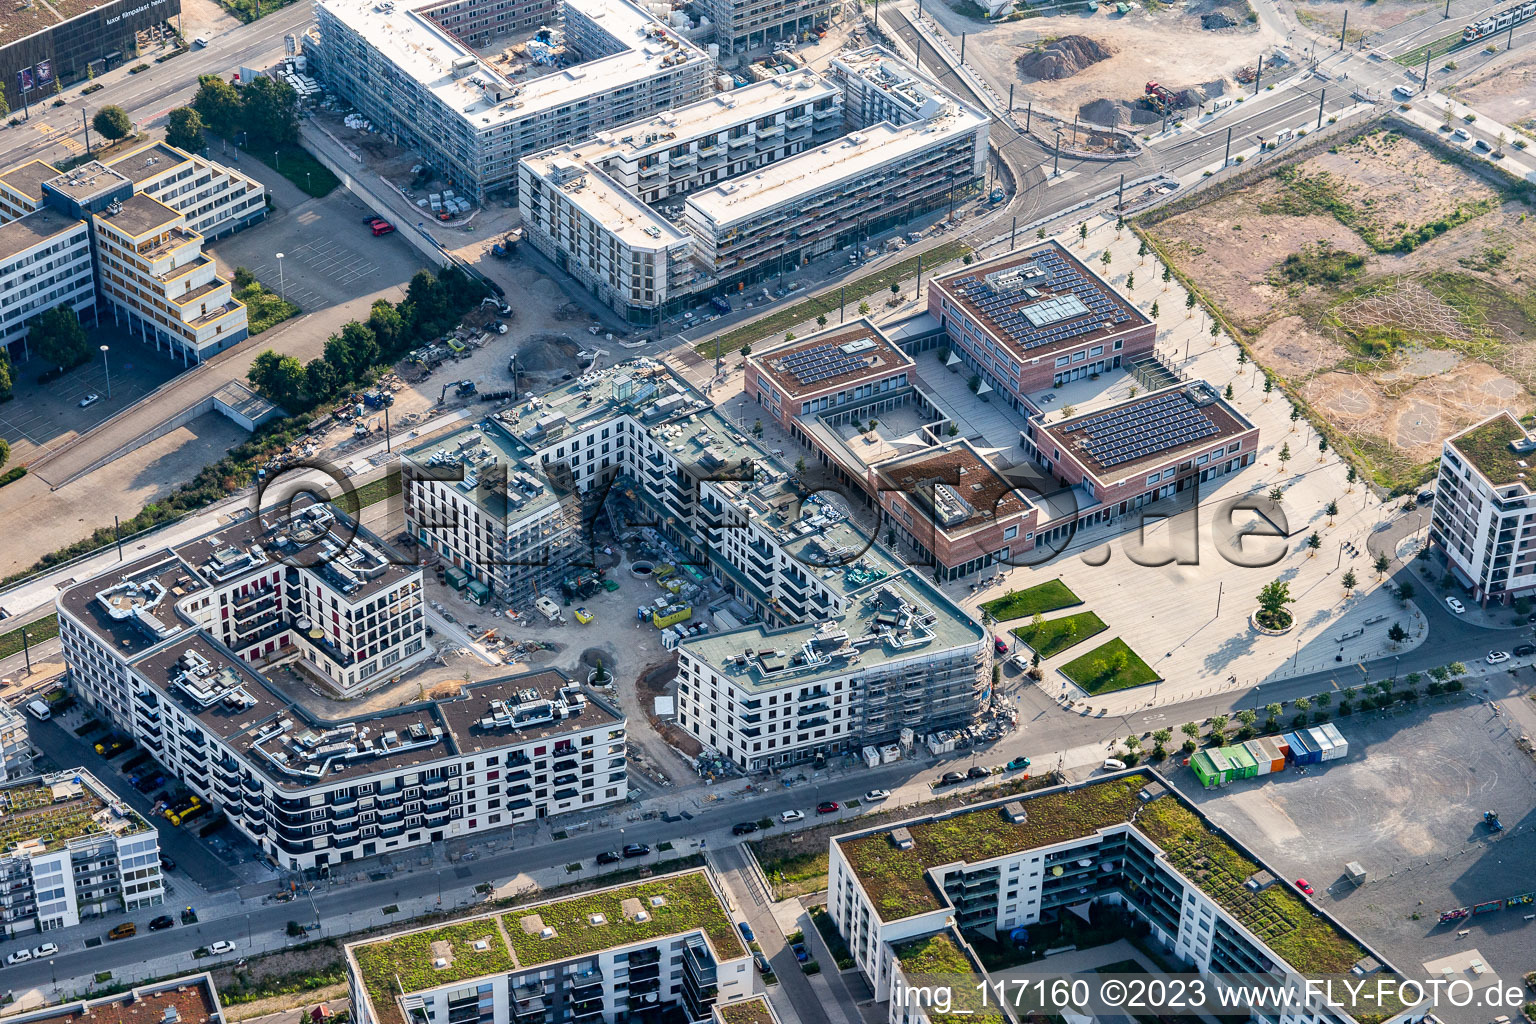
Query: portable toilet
(1243, 764)
(1205, 771)
(1260, 756)
(1340, 743)
(1275, 753)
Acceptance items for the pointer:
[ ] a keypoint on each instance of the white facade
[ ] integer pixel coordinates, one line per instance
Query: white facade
(215, 200)
(15, 744)
(45, 261)
(1484, 513)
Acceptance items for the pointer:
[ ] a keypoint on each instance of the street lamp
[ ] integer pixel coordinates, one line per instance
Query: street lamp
(107, 370)
(282, 291)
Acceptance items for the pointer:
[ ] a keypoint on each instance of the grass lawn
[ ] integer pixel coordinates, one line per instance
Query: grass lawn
(298, 165)
(854, 292)
(1095, 671)
(1049, 596)
(45, 628)
(263, 308)
(1056, 635)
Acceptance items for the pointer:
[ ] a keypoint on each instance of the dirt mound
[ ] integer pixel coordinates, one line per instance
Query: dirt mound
(1061, 58)
(1116, 113)
(546, 352)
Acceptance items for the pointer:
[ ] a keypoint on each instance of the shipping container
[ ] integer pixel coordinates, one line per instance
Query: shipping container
(1243, 764)
(1288, 744)
(1274, 751)
(1260, 756)
(1319, 739)
(1305, 749)
(1209, 775)
(1332, 748)
(1338, 738)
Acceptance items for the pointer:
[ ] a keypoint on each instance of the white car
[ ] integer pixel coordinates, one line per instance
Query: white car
(21, 956)
(221, 947)
(875, 795)
(46, 949)
(1462, 134)
(89, 400)
(1455, 605)
(789, 816)
(1497, 657)
(1113, 764)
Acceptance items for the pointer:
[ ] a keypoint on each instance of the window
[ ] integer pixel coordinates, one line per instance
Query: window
(1010, 533)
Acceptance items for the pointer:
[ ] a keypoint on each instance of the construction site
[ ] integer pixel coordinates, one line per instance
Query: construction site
(1380, 283)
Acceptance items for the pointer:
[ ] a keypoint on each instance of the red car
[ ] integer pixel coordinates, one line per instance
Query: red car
(1304, 886)
(999, 645)
(382, 227)
(827, 807)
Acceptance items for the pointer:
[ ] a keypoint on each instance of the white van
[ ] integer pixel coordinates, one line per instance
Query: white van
(1114, 764)
(39, 710)
(200, 41)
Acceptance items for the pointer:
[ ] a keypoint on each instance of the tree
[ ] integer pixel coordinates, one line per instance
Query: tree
(5, 374)
(1141, 252)
(428, 301)
(1396, 633)
(1228, 393)
(1272, 711)
(1106, 259)
(1242, 358)
(1349, 582)
(1405, 593)
(352, 351)
(1456, 669)
(895, 287)
(746, 350)
(1154, 309)
(1295, 415)
(864, 309)
(1303, 704)
(1313, 543)
(1119, 226)
(1189, 304)
(1272, 601)
(1322, 447)
(757, 428)
(1167, 275)
(1219, 728)
(821, 320)
(1350, 478)
(388, 328)
(788, 336)
(269, 108)
(280, 378)
(1190, 729)
(1247, 716)
(112, 123)
(1040, 233)
(1276, 493)
(1269, 385)
(1130, 280)
(1330, 510)
(1082, 231)
(322, 380)
(59, 338)
(800, 465)
(1285, 456)
(5, 452)
(1215, 331)
(184, 129)
(1381, 565)
(217, 102)
(1133, 742)
(1162, 736)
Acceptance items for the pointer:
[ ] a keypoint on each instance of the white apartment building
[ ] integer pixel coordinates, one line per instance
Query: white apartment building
(172, 649)
(45, 261)
(15, 744)
(70, 849)
(665, 948)
(743, 24)
(879, 86)
(607, 208)
(1130, 842)
(215, 200)
(406, 67)
(1484, 513)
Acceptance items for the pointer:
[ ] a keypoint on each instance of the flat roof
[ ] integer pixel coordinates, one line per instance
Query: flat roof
(1129, 438)
(954, 485)
(825, 167)
(186, 1000)
(28, 178)
(755, 1010)
(515, 940)
(899, 884)
(33, 229)
(486, 98)
(48, 812)
(848, 354)
(612, 206)
(1486, 447)
(87, 181)
(483, 452)
(149, 161)
(1040, 299)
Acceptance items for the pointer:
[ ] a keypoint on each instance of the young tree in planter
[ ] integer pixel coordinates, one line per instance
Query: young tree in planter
(1330, 510)
(1314, 542)
(1284, 456)
(1167, 275)
(1219, 729)
(1405, 593)
(1269, 385)
(1227, 394)
(863, 309)
(1276, 493)
(1295, 415)
(1349, 582)
(1106, 259)
(1350, 478)
(1154, 309)
(1381, 565)
(1190, 729)
(1272, 601)
(1322, 447)
(1130, 280)
(1082, 232)
(1141, 252)
(1189, 305)
(821, 320)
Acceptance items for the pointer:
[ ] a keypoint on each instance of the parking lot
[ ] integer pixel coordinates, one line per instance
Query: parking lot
(1408, 805)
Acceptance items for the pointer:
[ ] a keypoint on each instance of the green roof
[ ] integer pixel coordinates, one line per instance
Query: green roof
(29, 812)
(936, 960)
(897, 880)
(747, 1011)
(499, 943)
(1486, 446)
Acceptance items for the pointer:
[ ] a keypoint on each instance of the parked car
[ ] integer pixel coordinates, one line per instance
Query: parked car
(1454, 605)
(1304, 886)
(801, 953)
(976, 771)
(1426, 498)
(1525, 649)
(166, 863)
(827, 807)
(21, 956)
(876, 795)
(999, 645)
(1497, 657)
(608, 857)
(1482, 145)
(221, 947)
(1113, 764)
(743, 828)
(637, 850)
(789, 816)
(951, 778)
(763, 966)
(89, 400)
(161, 923)
(1018, 764)
(46, 949)
(382, 227)
(126, 930)
(746, 931)
(1462, 134)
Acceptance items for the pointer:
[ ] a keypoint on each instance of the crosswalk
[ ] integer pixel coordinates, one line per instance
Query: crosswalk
(58, 137)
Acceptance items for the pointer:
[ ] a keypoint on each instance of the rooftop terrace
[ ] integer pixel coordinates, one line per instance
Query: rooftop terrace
(1487, 447)
(954, 485)
(48, 812)
(940, 959)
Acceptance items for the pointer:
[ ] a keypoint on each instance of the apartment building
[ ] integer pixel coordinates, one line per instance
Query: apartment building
(410, 70)
(70, 849)
(15, 744)
(1130, 842)
(93, 231)
(215, 200)
(190, 999)
(662, 949)
(1035, 319)
(746, 24)
(607, 208)
(879, 86)
(1484, 515)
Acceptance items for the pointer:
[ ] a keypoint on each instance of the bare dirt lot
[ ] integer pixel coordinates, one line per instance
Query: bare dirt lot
(1167, 46)
(1379, 279)
(1505, 91)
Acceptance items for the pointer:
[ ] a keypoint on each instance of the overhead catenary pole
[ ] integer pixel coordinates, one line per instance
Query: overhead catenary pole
(1014, 233)
(1056, 168)
(87, 123)
(1227, 157)
(1120, 199)
(841, 304)
(1344, 30)
(1510, 41)
(1323, 96)
(1010, 97)
(962, 47)
(1258, 75)
(1427, 51)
